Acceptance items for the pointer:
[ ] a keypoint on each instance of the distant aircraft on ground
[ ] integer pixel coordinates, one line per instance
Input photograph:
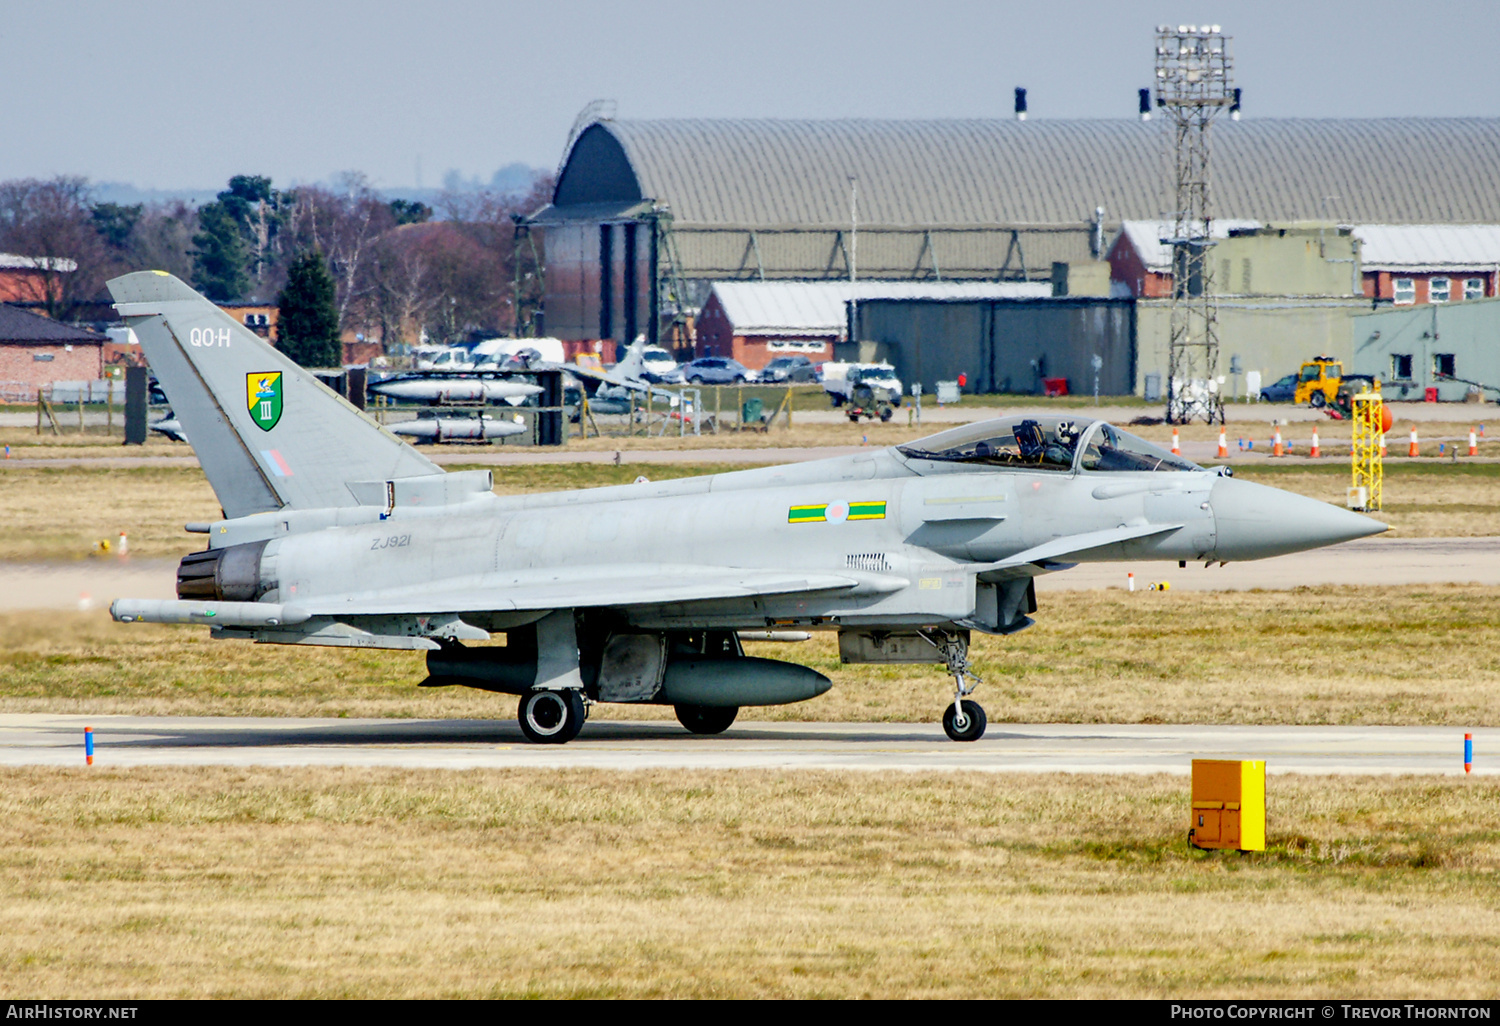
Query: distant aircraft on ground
(339, 533)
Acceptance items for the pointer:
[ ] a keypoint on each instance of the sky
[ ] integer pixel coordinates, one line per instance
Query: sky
(182, 95)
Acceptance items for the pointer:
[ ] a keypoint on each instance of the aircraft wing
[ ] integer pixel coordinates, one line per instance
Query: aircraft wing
(1063, 553)
(577, 587)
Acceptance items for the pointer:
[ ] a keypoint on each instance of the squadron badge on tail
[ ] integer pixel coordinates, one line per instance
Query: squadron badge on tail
(263, 397)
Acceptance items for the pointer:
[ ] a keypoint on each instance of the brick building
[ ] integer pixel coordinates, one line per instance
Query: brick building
(35, 351)
(1142, 262)
(258, 317)
(23, 279)
(1407, 264)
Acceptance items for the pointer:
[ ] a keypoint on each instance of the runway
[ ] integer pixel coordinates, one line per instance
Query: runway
(125, 741)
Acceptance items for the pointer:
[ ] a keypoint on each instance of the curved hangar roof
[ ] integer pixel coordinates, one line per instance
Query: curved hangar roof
(764, 173)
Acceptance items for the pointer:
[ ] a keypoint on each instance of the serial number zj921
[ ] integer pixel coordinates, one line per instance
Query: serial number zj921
(395, 541)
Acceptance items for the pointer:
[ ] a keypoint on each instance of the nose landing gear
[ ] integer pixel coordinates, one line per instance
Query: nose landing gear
(962, 721)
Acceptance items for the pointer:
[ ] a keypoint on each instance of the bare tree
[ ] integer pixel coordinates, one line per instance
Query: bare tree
(163, 240)
(345, 226)
(51, 222)
(399, 296)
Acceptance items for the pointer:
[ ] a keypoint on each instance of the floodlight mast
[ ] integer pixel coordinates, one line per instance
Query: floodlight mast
(1193, 86)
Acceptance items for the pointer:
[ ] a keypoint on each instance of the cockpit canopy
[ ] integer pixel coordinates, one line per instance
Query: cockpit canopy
(1045, 442)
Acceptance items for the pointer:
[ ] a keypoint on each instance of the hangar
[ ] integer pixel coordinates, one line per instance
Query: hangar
(646, 214)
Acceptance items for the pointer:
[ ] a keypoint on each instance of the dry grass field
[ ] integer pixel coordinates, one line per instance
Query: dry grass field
(58, 513)
(1313, 656)
(217, 882)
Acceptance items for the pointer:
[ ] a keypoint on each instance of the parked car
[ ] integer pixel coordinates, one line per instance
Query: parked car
(1282, 390)
(789, 369)
(842, 382)
(716, 370)
(661, 369)
(454, 358)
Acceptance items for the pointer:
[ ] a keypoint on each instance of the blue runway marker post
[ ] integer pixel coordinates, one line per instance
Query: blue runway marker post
(88, 746)
(1468, 753)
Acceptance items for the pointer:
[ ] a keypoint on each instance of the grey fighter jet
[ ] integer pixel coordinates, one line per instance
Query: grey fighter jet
(335, 532)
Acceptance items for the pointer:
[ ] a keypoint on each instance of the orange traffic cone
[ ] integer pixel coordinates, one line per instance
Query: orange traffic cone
(1382, 445)
(1473, 443)
(1412, 450)
(1315, 452)
(1176, 446)
(1277, 449)
(1223, 446)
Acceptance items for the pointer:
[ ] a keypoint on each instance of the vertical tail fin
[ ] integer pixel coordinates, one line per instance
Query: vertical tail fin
(267, 432)
(632, 366)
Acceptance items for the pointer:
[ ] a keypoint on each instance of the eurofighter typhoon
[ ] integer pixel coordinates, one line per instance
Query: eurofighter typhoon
(336, 532)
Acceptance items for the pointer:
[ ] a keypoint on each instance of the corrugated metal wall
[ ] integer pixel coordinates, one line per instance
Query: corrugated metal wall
(1007, 345)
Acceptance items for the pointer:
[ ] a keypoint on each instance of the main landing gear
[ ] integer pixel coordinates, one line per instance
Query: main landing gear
(552, 716)
(963, 720)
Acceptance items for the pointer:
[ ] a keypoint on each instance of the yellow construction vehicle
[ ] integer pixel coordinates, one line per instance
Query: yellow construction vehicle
(1318, 382)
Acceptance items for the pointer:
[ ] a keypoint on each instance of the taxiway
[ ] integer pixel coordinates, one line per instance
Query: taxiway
(125, 741)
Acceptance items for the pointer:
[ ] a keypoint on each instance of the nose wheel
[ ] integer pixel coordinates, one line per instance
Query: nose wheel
(964, 720)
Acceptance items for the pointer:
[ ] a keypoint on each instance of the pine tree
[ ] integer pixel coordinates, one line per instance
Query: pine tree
(221, 258)
(308, 324)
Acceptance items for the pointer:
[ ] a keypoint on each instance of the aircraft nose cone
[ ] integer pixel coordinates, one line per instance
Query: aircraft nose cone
(1254, 521)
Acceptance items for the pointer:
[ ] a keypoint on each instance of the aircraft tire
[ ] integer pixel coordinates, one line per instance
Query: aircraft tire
(973, 730)
(551, 717)
(703, 719)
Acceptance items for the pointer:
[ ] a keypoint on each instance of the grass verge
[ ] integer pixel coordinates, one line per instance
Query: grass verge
(221, 882)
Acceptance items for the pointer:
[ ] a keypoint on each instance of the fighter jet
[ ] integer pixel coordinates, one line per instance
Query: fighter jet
(338, 533)
(612, 394)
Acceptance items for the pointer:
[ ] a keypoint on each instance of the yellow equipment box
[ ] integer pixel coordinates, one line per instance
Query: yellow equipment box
(1229, 804)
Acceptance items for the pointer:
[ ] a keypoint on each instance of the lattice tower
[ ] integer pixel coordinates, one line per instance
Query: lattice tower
(1193, 87)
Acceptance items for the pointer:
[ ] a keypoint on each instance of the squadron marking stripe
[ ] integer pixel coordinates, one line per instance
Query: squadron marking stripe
(824, 512)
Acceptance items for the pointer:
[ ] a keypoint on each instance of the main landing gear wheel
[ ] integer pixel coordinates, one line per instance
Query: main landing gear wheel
(706, 719)
(552, 717)
(968, 726)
